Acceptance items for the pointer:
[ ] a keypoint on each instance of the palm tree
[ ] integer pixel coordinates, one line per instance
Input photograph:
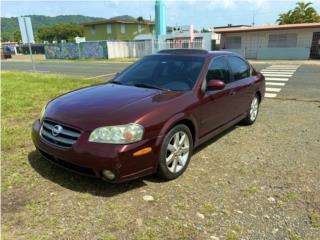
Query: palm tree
(302, 13)
(285, 18)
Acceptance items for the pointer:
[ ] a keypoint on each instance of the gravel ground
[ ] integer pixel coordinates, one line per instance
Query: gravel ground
(257, 182)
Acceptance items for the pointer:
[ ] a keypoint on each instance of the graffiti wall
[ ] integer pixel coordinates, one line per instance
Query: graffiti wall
(84, 50)
(93, 50)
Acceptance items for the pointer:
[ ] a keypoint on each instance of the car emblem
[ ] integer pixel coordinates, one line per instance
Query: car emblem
(56, 130)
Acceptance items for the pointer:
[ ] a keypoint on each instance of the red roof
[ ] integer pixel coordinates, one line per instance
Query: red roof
(268, 27)
(106, 21)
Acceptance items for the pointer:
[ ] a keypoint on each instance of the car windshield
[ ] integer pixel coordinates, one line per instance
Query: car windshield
(164, 72)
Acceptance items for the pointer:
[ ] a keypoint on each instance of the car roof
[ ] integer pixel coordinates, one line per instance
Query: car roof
(194, 51)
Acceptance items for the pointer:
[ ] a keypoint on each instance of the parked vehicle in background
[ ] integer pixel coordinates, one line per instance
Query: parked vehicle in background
(5, 52)
(151, 116)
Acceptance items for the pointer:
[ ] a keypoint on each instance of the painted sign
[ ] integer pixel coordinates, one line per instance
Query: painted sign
(26, 30)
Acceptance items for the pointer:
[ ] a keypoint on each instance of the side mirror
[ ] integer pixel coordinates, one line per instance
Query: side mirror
(215, 85)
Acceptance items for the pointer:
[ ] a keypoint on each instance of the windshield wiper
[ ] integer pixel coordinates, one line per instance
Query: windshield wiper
(146, 85)
(116, 82)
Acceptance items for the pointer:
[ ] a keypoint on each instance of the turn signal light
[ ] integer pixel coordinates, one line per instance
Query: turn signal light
(142, 151)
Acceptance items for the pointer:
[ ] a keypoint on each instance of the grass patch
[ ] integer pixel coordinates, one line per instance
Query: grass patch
(314, 219)
(234, 233)
(23, 96)
(249, 191)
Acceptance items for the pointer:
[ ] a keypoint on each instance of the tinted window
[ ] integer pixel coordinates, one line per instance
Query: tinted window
(239, 68)
(172, 72)
(218, 70)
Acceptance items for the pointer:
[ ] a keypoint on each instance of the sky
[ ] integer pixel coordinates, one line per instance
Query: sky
(200, 13)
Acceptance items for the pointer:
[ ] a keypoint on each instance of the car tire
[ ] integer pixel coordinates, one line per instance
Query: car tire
(176, 151)
(253, 111)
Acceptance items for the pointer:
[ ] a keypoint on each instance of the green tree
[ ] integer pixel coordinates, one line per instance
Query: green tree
(140, 19)
(5, 37)
(60, 32)
(302, 13)
(46, 34)
(204, 30)
(17, 36)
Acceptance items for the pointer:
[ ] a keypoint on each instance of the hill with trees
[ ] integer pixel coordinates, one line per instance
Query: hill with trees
(9, 26)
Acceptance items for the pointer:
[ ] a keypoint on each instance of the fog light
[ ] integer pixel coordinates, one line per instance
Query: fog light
(108, 174)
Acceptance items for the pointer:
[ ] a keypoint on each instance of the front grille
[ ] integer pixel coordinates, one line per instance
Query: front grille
(68, 165)
(64, 137)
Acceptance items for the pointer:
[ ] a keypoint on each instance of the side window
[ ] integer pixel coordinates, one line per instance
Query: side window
(218, 70)
(240, 69)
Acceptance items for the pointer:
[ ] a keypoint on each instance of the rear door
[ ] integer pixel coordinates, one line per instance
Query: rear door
(242, 84)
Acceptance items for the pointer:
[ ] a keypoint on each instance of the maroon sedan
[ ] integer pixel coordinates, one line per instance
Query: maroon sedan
(151, 116)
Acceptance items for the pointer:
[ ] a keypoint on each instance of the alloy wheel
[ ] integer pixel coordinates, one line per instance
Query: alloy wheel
(178, 151)
(254, 108)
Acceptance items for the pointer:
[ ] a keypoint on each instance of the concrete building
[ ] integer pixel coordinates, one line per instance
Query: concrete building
(289, 41)
(185, 37)
(111, 29)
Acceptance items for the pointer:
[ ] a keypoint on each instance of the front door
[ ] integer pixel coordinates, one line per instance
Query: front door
(216, 106)
(242, 84)
(315, 46)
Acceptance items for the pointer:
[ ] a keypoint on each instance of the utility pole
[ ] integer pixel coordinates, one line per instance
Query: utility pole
(253, 19)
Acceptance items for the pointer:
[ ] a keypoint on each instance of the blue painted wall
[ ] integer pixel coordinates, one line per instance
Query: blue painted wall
(240, 51)
(283, 53)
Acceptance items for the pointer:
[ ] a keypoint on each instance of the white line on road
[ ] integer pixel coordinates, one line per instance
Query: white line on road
(278, 70)
(275, 84)
(270, 95)
(277, 75)
(283, 66)
(104, 75)
(273, 89)
(275, 71)
(277, 79)
(281, 73)
(39, 71)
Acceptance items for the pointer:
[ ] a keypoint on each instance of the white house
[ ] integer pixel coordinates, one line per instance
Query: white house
(289, 41)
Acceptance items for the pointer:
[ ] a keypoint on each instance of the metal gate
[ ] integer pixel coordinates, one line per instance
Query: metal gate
(315, 46)
(254, 43)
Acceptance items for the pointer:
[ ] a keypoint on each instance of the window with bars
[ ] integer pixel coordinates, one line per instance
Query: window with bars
(109, 29)
(123, 28)
(93, 30)
(233, 42)
(282, 40)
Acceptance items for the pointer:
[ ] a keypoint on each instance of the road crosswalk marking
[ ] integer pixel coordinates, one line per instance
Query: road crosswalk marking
(276, 77)
(270, 95)
(275, 84)
(273, 89)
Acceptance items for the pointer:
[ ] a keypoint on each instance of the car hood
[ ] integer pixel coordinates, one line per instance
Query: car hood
(105, 104)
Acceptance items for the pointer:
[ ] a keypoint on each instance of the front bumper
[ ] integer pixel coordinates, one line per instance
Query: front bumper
(90, 159)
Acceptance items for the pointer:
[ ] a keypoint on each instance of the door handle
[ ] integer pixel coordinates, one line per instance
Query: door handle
(233, 92)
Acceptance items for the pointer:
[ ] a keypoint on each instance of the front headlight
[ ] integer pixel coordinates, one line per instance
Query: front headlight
(122, 134)
(43, 110)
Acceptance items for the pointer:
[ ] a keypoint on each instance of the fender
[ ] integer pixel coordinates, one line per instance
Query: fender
(174, 120)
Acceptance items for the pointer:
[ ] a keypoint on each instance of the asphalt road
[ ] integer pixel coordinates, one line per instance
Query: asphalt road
(303, 85)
